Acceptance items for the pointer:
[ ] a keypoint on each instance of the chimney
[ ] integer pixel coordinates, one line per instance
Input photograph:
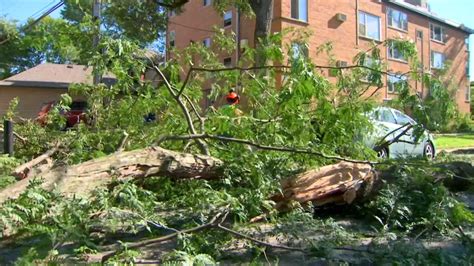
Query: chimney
(419, 3)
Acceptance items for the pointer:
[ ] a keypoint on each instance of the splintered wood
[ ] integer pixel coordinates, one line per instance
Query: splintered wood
(81, 179)
(340, 183)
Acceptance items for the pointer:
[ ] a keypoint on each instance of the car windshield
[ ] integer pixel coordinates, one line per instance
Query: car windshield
(403, 119)
(382, 115)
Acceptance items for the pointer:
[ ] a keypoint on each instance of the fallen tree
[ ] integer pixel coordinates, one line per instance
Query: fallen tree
(82, 178)
(340, 183)
(346, 182)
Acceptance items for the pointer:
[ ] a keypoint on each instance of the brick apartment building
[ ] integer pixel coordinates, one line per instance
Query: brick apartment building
(351, 26)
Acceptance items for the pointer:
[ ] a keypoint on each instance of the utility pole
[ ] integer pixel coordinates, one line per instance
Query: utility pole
(95, 41)
(8, 137)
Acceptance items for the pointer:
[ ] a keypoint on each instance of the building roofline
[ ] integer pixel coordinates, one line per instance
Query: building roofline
(428, 14)
(34, 84)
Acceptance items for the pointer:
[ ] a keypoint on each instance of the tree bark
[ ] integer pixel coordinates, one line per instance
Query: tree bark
(23, 170)
(263, 10)
(340, 183)
(346, 182)
(82, 178)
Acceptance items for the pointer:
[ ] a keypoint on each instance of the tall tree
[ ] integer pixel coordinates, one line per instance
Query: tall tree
(138, 20)
(51, 40)
(263, 12)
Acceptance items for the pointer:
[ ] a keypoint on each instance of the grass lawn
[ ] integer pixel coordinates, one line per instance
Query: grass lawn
(454, 141)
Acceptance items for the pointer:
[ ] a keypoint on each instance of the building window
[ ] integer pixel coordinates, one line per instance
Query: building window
(227, 18)
(369, 26)
(394, 82)
(172, 38)
(468, 94)
(299, 50)
(437, 33)
(299, 10)
(468, 68)
(394, 53)
(206, 42)
(206, 2)
(437, 60)
(228, 62)
(369, 69)
(397, 19)
(419, 34)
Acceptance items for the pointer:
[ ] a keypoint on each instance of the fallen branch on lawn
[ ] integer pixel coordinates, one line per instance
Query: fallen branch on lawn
(261, 147)
(259, 242)
(22, 171)
(107, 255)
(215, 223)
(83, 178)
(22, 139)
(123, 142)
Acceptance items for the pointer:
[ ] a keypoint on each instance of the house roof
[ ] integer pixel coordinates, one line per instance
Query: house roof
(49, 75)
(425, 12)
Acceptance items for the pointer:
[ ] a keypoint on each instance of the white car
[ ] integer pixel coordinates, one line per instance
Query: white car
(390, 124)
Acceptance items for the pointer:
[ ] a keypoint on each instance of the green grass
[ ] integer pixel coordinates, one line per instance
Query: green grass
(454, 141)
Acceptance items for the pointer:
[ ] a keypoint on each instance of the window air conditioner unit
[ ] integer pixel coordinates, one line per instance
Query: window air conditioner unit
(341, 63)
(244, 43)
(341, 17)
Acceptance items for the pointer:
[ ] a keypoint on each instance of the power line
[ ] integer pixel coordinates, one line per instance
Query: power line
(45, 14)
(36, 21)
(42, 9)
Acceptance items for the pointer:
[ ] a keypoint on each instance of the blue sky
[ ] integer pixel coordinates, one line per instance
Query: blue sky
(461, 11)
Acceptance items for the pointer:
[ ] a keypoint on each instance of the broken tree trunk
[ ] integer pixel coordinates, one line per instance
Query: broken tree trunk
(346, 182)
(340, 183)
(24, 170)
(82, 178)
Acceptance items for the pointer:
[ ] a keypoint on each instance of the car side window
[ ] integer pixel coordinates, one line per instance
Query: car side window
(386, 116)
(403, 119)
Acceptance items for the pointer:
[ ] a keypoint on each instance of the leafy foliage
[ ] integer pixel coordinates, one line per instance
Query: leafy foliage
(293, 106)
(7, 164)
(414, 202)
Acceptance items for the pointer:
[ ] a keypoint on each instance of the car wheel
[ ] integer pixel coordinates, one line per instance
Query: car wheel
(383, 153)
(429, 151)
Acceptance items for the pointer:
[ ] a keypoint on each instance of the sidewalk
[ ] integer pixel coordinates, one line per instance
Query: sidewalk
(465, 150)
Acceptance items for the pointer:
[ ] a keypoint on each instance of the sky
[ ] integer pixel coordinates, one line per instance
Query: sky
(461, 11)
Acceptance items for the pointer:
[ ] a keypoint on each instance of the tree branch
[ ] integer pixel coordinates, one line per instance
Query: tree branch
(215, 222)
(186, 80)
(187, 115)
(285, 67)
(123, 142)
(106, 255)
(386, 143)
(261, 147)
(259, 242)
(23, 170)
(23, 139)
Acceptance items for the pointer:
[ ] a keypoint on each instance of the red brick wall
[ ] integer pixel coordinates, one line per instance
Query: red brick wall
(325, 27)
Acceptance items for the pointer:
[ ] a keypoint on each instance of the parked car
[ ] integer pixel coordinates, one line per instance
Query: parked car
(388, 124)
(75, 115)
